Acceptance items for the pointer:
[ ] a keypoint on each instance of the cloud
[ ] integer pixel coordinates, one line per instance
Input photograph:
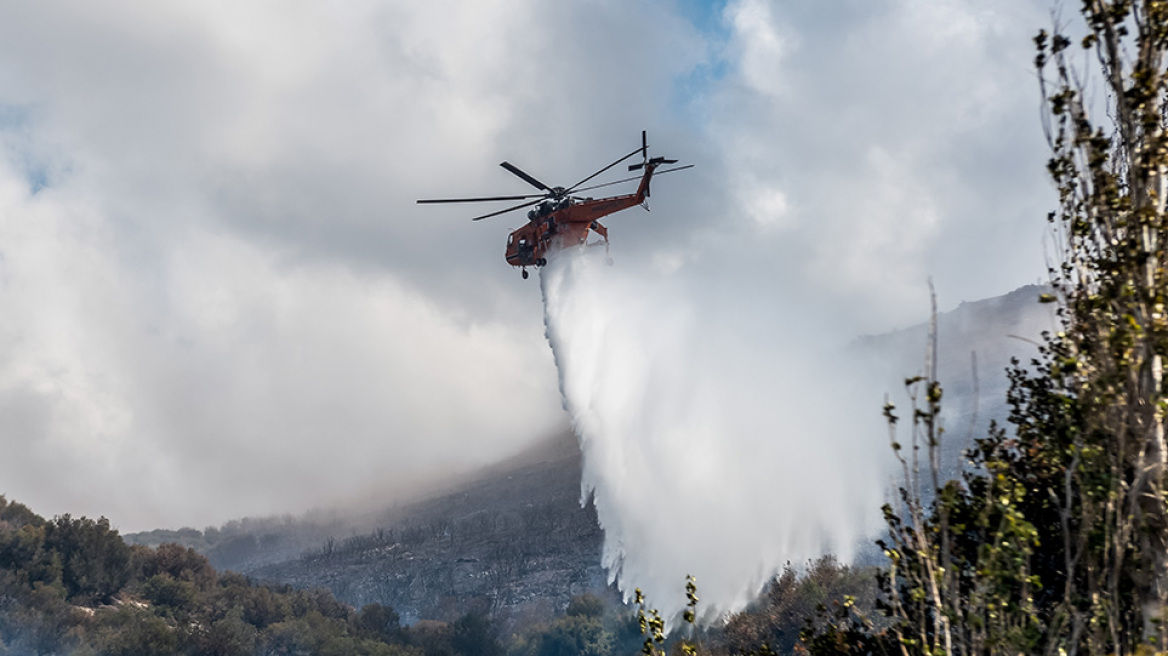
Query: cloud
(221, 299)
(903, 139)
(761, 46)
(229, 381)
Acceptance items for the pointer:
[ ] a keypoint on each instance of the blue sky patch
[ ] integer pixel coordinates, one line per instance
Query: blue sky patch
(689, 89)
(16, 145)
(706, 15)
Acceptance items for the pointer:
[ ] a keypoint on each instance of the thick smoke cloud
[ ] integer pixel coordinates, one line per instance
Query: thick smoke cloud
(871, 145)
(231, 372)
(220, 300)
(718, 440)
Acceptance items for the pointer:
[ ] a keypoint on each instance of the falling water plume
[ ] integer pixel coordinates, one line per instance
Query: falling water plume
(715, 442)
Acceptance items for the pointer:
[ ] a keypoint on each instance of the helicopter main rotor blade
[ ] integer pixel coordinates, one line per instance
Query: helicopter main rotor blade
(641, 149)
(635, 177)
(479, 200)
(509, 209)
(526, 178)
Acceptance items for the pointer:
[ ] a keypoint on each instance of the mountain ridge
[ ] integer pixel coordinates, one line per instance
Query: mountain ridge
(513, 540)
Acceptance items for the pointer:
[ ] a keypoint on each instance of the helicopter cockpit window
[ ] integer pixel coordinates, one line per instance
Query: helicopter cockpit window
(510, 239)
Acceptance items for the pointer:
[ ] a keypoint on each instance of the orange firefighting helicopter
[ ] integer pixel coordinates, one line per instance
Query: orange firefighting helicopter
(560, 219)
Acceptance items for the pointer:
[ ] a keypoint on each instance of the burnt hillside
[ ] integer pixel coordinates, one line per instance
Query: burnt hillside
(513, 540)
(515, 544)
(975, 343)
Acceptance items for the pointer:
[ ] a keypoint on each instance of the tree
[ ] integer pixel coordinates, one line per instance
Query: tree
(178, 562)
(1057, 540)
(381, 622)
(585, 605)
(132, 632)
(95, 561)
(781, 615)
(1113, 286)
(474, 635)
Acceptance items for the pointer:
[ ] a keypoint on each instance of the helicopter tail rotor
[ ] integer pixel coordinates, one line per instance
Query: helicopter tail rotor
(644, 152)
(655, 161)
(649, 162)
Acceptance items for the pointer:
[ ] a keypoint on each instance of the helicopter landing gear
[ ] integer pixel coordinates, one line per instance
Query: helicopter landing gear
(524, 274)
(541, 262)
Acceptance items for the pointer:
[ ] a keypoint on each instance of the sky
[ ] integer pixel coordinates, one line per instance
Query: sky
(220, 299)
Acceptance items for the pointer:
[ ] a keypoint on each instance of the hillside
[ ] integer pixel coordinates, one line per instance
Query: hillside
(73, 586)
(515, 544)
(975, 342)
(514, 541)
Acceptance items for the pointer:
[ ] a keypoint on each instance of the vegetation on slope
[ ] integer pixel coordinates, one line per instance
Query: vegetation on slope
(74, 586)
(1056, 541)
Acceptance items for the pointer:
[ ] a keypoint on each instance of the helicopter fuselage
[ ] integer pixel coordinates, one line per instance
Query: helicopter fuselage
(556, 225)
(558, 219)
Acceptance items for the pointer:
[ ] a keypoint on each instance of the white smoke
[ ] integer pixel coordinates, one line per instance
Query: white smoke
(719, 439)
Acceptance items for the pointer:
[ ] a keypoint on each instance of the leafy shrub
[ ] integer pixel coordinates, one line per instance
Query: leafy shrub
(95, 561)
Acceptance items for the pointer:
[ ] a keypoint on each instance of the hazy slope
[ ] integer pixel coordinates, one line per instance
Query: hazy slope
(515, 544)
(513, 539)
(976, 342)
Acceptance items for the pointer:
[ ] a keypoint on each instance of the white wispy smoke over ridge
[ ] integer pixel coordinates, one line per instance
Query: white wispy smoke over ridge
(198, 199)
(707, 451)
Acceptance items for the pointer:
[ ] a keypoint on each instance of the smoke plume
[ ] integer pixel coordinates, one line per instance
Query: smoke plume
(718, 441)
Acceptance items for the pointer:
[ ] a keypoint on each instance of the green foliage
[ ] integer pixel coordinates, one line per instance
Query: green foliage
(22, 554)
(73, 586)
(652, 625)
(380, 622)
(586, 605)
(95, 562)
(793, 598)
(42, 622)
(1056, 541)
(167, 592)
(588, 628)
(575, 635)
(313, 633)
(230, 635)
(474, 635)
(16, 515)
(432, 639)
(176, 562)
(260, 606)
(131, 631)
(1106, 365)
